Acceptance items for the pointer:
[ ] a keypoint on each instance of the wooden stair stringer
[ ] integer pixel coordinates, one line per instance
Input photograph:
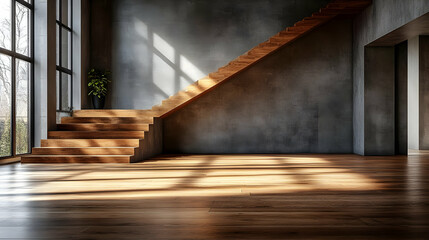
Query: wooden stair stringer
(263, 50)
(205, 91)
(152, 143)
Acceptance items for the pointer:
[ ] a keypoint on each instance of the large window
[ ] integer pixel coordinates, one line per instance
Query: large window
(64, 56)
(16, 63)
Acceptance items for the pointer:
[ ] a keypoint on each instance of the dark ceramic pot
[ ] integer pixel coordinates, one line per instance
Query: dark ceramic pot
(98, 103)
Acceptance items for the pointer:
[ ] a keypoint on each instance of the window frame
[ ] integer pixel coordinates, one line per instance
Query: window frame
(60, 26)
(30, 59)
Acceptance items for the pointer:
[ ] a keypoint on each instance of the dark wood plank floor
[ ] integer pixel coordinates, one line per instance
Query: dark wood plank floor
(219, 197)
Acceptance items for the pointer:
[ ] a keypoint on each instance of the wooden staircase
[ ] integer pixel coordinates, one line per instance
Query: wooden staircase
(123, 136)
(101, 136)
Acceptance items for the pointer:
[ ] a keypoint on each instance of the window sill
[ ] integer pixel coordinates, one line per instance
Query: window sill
(10, 160)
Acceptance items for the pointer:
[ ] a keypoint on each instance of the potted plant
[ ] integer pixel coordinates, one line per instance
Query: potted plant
(97, 84)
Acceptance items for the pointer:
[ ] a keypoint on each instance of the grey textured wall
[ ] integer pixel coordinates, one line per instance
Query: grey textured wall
(379, 101)
(382, 17)
(297, 100)
(162, 46)
(401, 98)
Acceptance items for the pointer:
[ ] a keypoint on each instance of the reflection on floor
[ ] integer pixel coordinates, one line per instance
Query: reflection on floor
(413, 152)
(219, 197)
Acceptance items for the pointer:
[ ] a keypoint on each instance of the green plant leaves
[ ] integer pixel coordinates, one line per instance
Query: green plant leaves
(97, 82)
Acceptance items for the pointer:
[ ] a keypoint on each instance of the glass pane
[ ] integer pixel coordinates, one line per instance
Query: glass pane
(22, 106)
(65, 11)
(66, 92)
(5, 24)
(58, 91)
(58, 9)
(23, 34)
(5, 105)
(65, 48)
(58, 44)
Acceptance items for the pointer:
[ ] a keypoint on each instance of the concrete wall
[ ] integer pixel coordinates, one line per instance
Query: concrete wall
(160, 47)
(401, 98)
(296, 100)
(382, 17)
(379, 101)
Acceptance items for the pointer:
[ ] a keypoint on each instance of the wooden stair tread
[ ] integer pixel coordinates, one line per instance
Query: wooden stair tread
(103, 126)
(113, 113)
(95, 134)
(90, 142)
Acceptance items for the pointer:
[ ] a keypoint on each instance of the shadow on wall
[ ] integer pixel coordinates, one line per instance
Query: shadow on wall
(169, 69)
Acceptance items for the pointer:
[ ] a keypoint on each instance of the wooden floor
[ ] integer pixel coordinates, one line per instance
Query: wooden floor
(219, 197)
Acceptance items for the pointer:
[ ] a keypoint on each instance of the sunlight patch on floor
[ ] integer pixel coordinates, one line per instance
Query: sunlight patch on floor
(197, 175)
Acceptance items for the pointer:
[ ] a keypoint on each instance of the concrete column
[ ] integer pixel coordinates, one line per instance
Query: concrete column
(401, 101)
(77, 55)
(424, 92)
(85, 52)
(44, 69)
(418, 93)
(379, 101)
(413, 93)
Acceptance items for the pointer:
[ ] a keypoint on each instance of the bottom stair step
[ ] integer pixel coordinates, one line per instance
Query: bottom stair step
(83, 151)
(76, 159)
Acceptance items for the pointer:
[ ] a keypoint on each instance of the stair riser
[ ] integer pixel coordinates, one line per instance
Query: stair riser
(113, 113)
(96, 134)
(83, 151)
(300, 29)
(115, 120)
(309, 22)
(71, 159)
(103, 127)
(90, 143)
(340, 11)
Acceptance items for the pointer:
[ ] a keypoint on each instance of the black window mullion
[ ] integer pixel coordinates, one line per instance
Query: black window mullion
(60, 55)
(31, 88)
(71, 54)
(13, 75)
(64, 70)
(28, 5)
(64, 26)
(16, 55)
